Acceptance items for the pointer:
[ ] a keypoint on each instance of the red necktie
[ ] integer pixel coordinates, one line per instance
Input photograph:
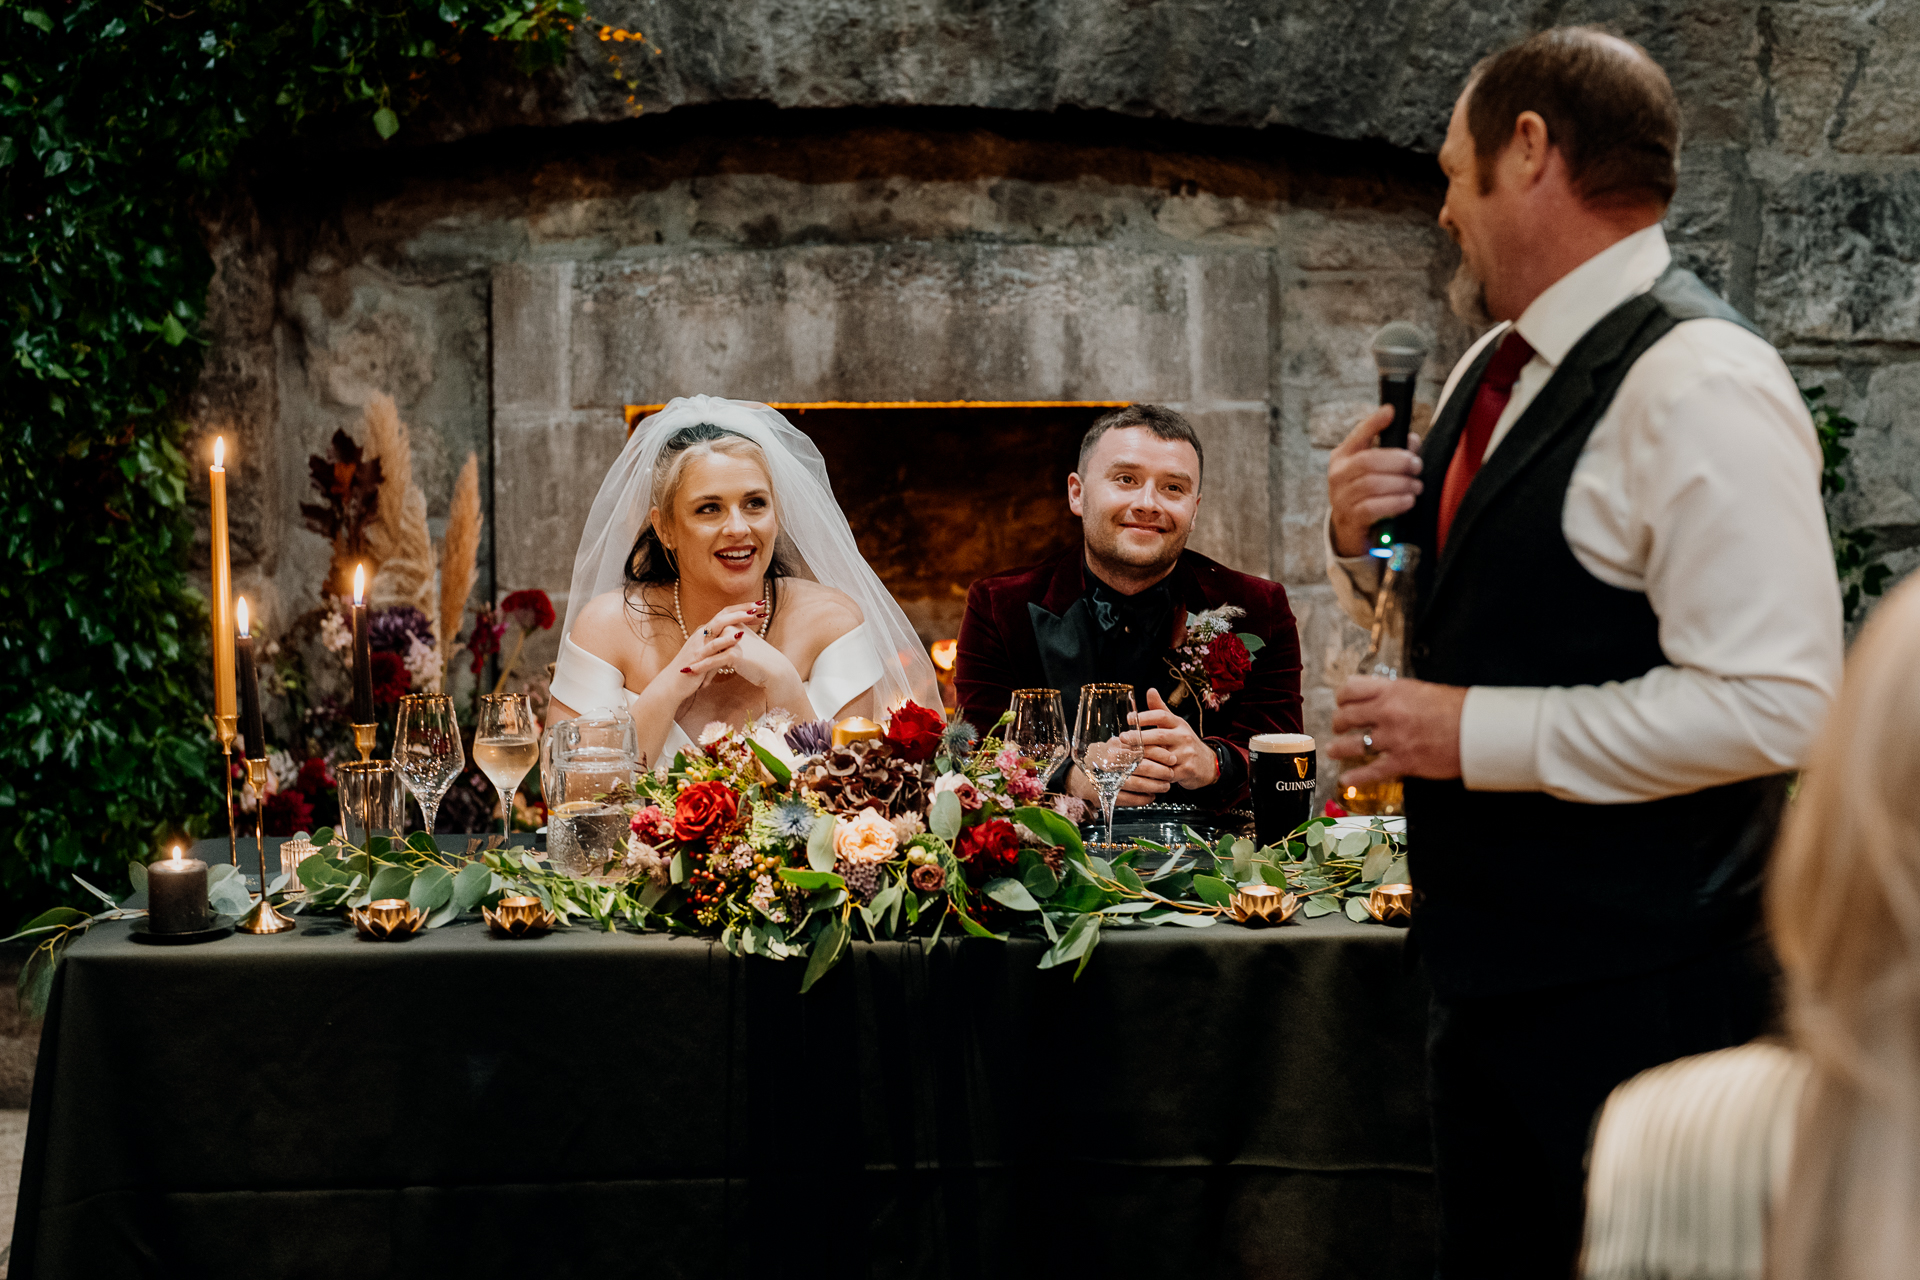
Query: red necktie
(1489, 402)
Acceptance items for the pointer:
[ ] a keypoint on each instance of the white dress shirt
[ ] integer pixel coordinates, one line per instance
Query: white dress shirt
(1700, 486)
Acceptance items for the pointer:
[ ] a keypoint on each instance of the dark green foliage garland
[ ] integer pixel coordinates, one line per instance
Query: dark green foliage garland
(117, 120)
(1862, 573)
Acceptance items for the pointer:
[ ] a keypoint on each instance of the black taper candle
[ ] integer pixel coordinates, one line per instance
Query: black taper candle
(252, 727)
(362, 668)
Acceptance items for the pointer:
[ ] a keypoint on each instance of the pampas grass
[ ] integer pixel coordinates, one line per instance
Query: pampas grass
(398, 539)
(459, 554)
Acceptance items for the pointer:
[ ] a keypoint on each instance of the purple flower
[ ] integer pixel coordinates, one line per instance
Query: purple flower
(392, 629)
(810, 737)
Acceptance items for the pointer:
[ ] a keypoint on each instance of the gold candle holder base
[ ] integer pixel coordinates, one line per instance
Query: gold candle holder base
(263, 918)
(228, 728)
(1263, 904)
(389, 920)
(1391, 904)
(363, 737)
(521, 917)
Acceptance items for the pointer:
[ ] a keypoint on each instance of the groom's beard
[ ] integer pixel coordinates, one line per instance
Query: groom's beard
(1467, 296)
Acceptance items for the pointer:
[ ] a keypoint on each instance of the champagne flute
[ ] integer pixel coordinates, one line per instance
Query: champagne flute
(427, 750)
(1106, 742)
(506, 744)
(1039, 729)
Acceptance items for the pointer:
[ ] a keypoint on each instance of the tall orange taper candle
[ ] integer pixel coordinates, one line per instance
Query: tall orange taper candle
(223, 688)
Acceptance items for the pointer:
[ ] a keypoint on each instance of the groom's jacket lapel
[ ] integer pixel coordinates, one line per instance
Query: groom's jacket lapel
(1063, 630)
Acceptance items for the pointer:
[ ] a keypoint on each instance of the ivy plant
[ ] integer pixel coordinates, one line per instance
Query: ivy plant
(118, 120)
(1862, 573)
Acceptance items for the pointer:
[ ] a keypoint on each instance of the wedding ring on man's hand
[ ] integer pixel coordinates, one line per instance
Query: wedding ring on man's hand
(1366, 740)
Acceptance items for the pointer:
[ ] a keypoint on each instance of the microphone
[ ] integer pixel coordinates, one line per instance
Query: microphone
(1398, 352)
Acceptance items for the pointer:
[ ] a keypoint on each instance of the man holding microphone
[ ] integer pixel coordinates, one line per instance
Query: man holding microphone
(1626, 633)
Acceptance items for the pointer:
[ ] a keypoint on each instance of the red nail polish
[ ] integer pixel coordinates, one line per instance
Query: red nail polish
(686, 671)
(738, 634)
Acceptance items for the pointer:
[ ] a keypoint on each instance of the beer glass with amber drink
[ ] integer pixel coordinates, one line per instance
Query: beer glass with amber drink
(1387, 659)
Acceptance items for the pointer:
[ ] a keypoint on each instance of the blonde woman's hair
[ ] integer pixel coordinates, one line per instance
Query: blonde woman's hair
(1843, 904)
(650, 561)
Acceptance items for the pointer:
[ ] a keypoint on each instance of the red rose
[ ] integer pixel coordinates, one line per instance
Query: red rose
(915, 732)
(1227, 662)
(703, 811)
(390, 679)
(529, 610)
(314, 778)
(991, 848)
(286, 812)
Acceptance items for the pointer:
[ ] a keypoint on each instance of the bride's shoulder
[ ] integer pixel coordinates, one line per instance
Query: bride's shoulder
(818, 614)
(612, 622)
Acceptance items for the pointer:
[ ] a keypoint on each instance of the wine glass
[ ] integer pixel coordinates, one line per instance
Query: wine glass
(1039, 729)
(427, 751)
(506, 744)
(1106, 742)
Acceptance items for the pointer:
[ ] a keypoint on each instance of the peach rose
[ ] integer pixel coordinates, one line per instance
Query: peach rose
(867, 837)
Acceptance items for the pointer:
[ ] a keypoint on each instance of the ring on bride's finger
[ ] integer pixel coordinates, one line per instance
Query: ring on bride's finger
(703, 633)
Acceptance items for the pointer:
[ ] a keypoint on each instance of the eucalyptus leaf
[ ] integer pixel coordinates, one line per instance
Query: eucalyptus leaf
(1253, 642)
(1053, 828)
(1131, 908)
(944, 820)
(1321, 904)
(1357, 910)
(1353, 844)
(471, 885)
(1129, 877)
(1275, 876)
(1397, 873)
(390, 882)
(1075, 943)
(1010, 893)
(977, 929)
(445, 913)
(137, 873)
(1039, 878)
(1379, 860)
(827, 948)
(819, 845)
(431, 889)
(677, 870)
(323, 837)
(421, 842)
(1213, 891)
(1189, 920)
(774, 764)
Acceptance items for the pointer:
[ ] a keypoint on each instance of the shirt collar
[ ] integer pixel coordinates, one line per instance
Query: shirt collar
(1577, 301)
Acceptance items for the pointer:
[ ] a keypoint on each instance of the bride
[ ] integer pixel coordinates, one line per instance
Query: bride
(717, 580)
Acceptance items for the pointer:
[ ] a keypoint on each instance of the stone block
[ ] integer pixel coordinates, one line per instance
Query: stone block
(532, 318)
(1837, 258)
(547, 470)
(1232, 525)
(1364, 241)
(1814, 54)
(1883, 493)
(920, 322)
(1327, 323)
(1883, 112)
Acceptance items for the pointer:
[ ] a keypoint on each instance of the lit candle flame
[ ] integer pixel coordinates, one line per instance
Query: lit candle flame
(944, 653)
(219, 453)
(359, 584)
(240, 615)
(176, 853)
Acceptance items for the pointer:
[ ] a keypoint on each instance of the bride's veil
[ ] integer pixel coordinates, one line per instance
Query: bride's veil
(812, 529)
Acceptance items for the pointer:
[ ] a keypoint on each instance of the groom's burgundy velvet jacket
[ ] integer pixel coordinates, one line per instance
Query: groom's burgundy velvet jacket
(1000, 652)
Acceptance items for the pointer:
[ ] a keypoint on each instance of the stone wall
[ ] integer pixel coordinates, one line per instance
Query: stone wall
(1211, 205)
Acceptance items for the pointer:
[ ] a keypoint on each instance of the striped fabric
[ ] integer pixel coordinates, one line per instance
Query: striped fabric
(1686, 1161)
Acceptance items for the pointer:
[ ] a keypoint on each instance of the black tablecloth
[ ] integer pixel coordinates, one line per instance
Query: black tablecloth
(1219, 1102)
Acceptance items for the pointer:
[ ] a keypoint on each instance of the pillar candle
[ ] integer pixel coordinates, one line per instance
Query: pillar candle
(222, 585)
(251, 725)
(177, 895)
(362, 651)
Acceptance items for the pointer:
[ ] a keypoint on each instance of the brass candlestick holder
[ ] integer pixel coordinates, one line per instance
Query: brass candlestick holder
(363, 736)
(228, 728)
(263, 918)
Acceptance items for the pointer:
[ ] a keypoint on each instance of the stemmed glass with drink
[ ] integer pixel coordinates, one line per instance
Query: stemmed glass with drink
(1106, 742)
(506, 744)
(1039, 729)
(427, 750)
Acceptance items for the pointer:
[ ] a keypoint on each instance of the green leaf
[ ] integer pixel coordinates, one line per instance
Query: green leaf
(1379, 859)
(1253, 642)
(473, 883)
(975, 928)
(1052, 828)
(1188, 920)
(137, 874)
(37, 18)
(431, 889)
(944, 820)
(677, 869)
(774, 764)
(1039, 878)
(421, 842)
(1353, 844)
(1243, 852)
(323, 837)
(172, 332)
(1321, 904)
(1357, 910)
(1397, 873)
(1275, 876)
(1010, 893)
(820, 843)
(47, 919)
(1127, 876)
(1075, 943)
(1213, 891)
(385, 122)
(811, 880)
(390, 882)
(827, 949)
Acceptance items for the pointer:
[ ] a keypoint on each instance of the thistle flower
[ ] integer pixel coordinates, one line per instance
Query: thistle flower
(810, 737)
(792, 819)
(959, 740)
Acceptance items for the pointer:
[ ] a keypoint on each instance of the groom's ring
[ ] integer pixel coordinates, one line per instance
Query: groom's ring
(1366, 740)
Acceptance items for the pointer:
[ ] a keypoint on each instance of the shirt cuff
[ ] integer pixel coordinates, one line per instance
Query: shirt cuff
(1499, 731)
(1355, 579)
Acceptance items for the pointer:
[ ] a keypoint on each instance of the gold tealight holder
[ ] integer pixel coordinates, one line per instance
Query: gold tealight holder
(389, 920)
(1263, 904)
(855, 729)
(520, 917)
(1391, 904)
(295, 850)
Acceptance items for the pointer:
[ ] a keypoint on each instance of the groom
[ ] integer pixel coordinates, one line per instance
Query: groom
(1114, 609)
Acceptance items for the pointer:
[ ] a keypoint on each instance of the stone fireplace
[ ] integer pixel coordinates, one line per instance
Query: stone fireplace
(516, 294)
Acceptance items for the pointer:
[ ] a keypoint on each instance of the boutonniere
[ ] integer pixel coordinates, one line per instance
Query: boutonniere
(1210, 660)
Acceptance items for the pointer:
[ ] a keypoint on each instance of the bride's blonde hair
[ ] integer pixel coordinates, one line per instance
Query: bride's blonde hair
(650, 561)
(1843, 904)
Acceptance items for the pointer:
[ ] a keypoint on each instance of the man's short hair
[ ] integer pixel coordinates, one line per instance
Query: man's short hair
(1609, 108)
(1162, 421)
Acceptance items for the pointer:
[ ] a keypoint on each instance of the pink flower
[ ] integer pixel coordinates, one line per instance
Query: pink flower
(970, 797)
(1024, 787)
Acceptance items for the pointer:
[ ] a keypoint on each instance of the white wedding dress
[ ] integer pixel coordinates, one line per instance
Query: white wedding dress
(844, 670)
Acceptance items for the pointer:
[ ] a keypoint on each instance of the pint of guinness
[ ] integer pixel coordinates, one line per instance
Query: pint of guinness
(1283, 780)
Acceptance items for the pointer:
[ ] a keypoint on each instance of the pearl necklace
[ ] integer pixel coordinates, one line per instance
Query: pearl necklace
(765, 594)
